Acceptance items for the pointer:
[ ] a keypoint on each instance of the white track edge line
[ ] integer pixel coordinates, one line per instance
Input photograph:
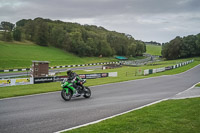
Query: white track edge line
(185, 97)
(187, 89)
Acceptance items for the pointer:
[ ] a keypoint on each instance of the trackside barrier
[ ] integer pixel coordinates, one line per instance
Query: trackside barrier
(151, 71)
(112, 74)
(55, 67)
(83, 76)
(37, 80)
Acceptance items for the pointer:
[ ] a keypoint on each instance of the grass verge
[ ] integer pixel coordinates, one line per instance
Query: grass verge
(172, 116)
(198, 85)
(124, 74)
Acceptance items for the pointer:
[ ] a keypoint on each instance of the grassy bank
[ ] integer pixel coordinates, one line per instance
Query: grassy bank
(198, 85)
(172, 116)
(153, 49)
(124, 74)
(20, 55)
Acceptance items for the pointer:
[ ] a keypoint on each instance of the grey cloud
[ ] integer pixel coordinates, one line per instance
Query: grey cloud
(158, 20)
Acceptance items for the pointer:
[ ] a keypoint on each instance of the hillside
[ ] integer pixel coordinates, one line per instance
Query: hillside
(81, 40)
(20, 55)
(153, 49)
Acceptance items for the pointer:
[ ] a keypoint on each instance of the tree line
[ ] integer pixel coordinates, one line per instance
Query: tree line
(182, 47)
(82, 40)
(153, 43)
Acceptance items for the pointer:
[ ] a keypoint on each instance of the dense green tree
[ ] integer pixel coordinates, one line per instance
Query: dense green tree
(17, 36)
(8, 36)
(22, 22)
(182, 47)
(140, 48)
(165, 50)
(174, 49)
(190, 43)
(58, 36)
(7, 27)
(132, 50)
(105, 49)
(83, 40)
(41, 34)
(198, 44)
(30, 29)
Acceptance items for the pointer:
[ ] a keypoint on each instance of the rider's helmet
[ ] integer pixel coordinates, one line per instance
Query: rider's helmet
(69, 72)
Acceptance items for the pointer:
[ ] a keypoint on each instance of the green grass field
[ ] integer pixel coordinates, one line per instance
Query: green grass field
(172, 116)
(125, 74)
(153, 49)
(198, 85)
(20, 55)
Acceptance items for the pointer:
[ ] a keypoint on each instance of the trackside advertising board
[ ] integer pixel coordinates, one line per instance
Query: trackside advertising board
(61, 78)
(19, 81)
(25, 81)
(43, 80)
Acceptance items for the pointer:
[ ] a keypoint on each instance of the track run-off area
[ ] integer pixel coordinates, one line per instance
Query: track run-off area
(50, 113)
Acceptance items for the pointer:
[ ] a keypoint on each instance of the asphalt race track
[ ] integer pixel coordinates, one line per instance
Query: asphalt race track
(50, 113)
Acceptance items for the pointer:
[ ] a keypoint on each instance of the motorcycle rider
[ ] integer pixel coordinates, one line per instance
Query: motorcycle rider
(74, 78)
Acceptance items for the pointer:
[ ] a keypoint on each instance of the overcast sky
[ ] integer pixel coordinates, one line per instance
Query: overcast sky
(156, 20)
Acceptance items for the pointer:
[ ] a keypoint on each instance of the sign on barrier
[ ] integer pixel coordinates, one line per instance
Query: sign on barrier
(112, 74)
(6, 82)
(19, 81)
(43, 80)
(59, 78)
(22, 81)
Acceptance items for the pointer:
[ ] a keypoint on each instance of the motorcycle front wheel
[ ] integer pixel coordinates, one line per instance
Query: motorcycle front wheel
(65, 96)
(87, 92)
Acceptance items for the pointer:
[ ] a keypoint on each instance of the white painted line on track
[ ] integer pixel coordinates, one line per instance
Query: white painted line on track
(187, 89)
(185, 97)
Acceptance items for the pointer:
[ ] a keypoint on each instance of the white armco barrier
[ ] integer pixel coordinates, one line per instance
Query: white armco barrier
(154, 70)
(112, 74)
(146, 72)
(160, 69)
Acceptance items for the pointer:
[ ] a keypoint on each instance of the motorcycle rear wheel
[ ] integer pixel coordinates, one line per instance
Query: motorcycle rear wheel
(65, 96)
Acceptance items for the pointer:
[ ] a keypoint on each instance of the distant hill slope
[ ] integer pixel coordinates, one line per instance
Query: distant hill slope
(20, 55)
(153, 49)
(82, 40)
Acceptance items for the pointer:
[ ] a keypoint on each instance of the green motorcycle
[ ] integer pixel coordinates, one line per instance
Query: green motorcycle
(69, 91)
